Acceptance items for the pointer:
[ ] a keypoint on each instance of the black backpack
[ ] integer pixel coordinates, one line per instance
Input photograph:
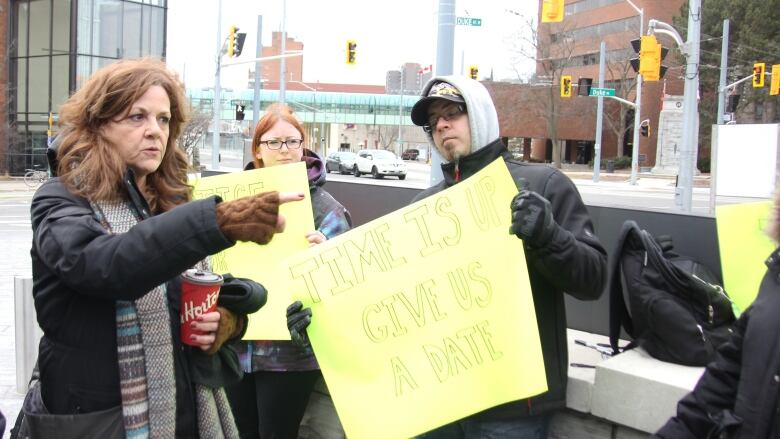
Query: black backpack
(677, 311)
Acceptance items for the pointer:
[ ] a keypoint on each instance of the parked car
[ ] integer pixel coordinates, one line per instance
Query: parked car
(410, 154)
(341, 161)
(378, 163)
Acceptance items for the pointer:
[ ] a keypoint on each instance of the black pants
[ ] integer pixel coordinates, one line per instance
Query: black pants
(270, 405)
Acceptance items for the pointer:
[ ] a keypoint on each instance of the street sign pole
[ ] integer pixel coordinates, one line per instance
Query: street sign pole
(599, 115)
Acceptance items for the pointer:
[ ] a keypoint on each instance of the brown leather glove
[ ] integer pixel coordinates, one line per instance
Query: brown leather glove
(250, 218)
(230, 326)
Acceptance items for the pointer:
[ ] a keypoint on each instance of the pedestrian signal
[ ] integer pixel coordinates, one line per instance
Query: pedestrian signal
(240, 111)
(473, 72)
(644, 128)
(566, 86)
(351, 51)
(758, 74)
(552, 11)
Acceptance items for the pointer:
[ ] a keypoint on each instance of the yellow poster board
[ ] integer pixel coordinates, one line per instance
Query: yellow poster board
(425, 315)
(262, 262)
(744, 245)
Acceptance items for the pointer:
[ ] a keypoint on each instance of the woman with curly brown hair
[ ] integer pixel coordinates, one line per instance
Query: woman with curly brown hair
(111, 235)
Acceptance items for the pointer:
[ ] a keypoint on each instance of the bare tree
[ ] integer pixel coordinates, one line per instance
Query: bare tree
(193, 132)
(386, 136)
(551, 47)
(625, 84)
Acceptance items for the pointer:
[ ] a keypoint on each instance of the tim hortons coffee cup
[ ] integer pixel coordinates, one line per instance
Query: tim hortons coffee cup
(199, 293)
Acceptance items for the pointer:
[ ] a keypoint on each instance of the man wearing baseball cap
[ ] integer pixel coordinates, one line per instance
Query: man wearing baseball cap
(562, 253)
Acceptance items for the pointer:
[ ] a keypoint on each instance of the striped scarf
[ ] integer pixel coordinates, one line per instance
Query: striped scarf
(145, 352)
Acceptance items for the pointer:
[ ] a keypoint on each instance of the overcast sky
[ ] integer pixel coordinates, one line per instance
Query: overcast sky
(387, 34)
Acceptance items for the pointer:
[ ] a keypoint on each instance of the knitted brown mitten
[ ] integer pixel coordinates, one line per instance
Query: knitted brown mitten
(250, 218)
(230, 326)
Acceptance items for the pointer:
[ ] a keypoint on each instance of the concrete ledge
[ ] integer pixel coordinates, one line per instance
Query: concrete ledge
(632, 389)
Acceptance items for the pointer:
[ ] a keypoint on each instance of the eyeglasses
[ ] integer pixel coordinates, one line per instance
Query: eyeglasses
(448, 113)
(277, 144)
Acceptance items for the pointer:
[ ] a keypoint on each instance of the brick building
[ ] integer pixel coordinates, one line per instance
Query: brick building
(571, 47)
(270, 69)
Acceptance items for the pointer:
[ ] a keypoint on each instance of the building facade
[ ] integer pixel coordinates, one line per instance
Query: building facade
(571, 47)
(53, 47)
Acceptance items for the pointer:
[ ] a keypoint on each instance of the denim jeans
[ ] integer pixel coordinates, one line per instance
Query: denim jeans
(530, 427)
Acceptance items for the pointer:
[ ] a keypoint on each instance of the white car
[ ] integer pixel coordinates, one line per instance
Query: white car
(378, 163)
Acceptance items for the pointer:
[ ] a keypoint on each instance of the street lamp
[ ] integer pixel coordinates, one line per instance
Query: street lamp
(637, 103)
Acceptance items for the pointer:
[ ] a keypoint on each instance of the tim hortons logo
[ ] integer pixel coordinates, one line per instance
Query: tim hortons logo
(191, 311)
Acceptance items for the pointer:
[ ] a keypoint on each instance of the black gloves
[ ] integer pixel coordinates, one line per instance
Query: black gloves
(532, 219)
(298, 319)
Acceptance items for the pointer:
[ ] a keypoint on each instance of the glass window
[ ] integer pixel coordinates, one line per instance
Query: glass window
(131, 30)
(59, 80)
(61, 27)
(39, 27)
(21, 86)
(99, 27)
(38, 92)
(23, 15)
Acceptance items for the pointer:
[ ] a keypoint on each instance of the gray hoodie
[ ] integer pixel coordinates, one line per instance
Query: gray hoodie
(483, 119)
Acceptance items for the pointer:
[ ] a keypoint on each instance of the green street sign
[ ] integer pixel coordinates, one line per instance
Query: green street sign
(595, 91)
(468, 21)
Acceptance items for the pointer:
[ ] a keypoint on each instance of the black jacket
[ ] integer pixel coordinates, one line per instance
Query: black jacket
(80, 271)
(575, 263)
(739, 394)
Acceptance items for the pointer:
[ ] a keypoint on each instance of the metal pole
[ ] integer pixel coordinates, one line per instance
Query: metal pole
(217, 104)
(724, 62)
(400, 108)
(258, 86)
(258, 73)
(684, 191)
(445, 43)
(282, 64)
(637, 109)
(599, 114)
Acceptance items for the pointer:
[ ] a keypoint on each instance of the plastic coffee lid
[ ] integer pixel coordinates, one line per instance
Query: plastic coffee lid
(195, 276)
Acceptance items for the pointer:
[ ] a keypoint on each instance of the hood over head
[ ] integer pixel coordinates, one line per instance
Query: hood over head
(483, 119)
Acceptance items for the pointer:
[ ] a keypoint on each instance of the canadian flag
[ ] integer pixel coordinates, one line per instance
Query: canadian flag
(426, 69)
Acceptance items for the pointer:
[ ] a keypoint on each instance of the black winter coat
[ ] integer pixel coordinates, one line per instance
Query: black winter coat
(739, 394)
(80, 271)
(575, 263)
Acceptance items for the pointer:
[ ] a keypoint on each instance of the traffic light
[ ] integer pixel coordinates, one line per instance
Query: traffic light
(774, 85)
(651, 53)
(351, 49)
(240, 111)
(644, 128)
(758, 74)
(552, 11)
(235, 42)
(583, 86)
(566, 86)
(732, 103)
(473, 72)
(231, 41)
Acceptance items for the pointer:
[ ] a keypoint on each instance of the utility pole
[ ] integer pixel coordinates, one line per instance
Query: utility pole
(599, 114)
(684, 191)
(282, 64)
(258, 85)
(217, 104)
(638, 104)
(445, 43)
(401, 109)
(724, 63)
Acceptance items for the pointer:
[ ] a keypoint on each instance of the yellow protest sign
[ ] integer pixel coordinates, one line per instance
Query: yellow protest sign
(743, 245)
(425, 315)
(262, 262)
